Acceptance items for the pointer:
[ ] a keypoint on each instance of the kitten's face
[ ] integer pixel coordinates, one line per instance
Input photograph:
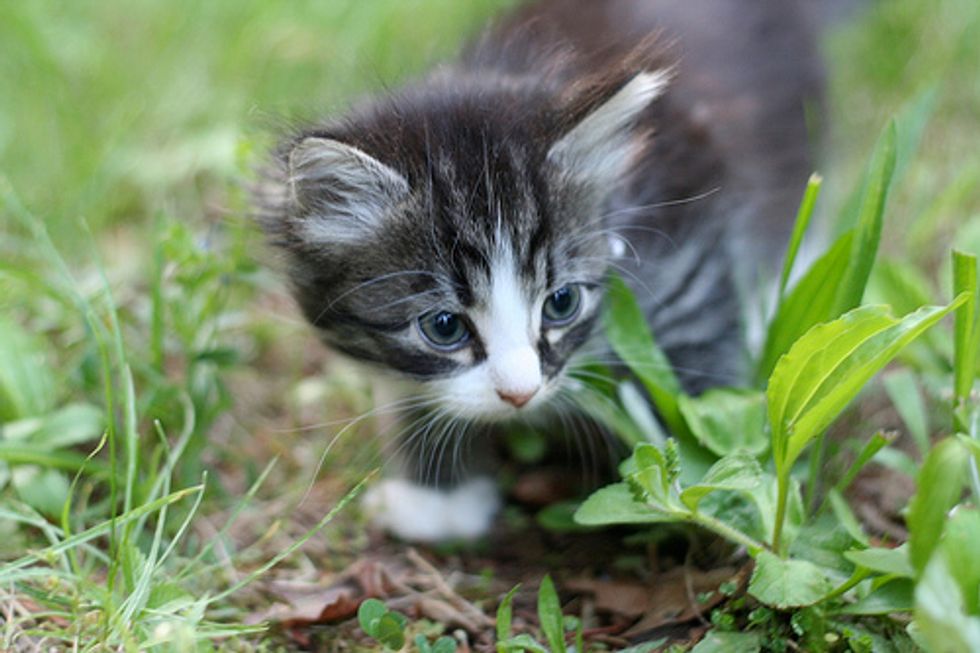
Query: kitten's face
(463, 251)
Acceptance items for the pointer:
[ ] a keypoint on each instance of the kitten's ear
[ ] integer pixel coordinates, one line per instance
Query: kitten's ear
(599, 147)
(342, 193)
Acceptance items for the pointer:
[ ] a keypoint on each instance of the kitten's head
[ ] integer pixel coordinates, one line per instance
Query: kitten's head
(454, 233)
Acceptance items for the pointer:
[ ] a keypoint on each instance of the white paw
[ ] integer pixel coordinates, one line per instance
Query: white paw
(422, 514)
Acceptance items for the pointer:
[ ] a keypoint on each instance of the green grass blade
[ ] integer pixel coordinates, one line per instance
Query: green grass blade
(626, 328)
(877, 442)
(940, 485)
(550, 616)
(810, 302)
(288, 551)
(837, 281)
(966, 341)
(505, 614)
(803, 216)
(94, 532)
(235, 513)
(874, 195)
(20, 454)
(130, 435)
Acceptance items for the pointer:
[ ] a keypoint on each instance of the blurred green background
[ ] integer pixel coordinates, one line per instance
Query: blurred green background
(110, 111)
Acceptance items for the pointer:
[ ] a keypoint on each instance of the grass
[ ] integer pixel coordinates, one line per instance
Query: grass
(156, 452)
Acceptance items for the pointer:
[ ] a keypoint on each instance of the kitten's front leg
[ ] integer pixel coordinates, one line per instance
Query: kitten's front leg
(419, 513)
(443, 488)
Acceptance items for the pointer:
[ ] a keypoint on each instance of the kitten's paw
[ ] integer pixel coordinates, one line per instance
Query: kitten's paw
(423, 514)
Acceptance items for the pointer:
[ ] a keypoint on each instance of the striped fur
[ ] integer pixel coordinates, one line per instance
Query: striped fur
(571, 140)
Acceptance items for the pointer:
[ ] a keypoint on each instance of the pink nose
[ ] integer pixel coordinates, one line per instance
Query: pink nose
(516, 399)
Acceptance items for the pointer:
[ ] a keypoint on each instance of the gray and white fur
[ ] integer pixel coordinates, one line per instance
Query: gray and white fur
(658, 139)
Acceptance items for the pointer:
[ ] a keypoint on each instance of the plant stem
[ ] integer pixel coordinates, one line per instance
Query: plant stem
(858, 576)
(721, 528)
(782, 481)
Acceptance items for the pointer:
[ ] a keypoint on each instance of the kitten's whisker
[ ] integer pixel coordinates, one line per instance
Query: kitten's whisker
(411, 442)
(624, 271)
(384, 277)
(326, 450)
(409, 298)
(399, 404)
(619, 361)
(663, 204)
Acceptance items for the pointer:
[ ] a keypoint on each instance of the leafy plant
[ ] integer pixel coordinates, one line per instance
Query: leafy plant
(554, 624)
(811, 557)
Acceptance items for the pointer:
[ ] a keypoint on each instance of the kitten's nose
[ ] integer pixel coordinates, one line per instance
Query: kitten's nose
(516, 375)
(516, 399)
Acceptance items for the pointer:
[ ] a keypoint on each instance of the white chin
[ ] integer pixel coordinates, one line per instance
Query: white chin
(422, 514)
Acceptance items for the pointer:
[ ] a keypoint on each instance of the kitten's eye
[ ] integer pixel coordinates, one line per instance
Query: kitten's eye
(443, 330)
(562, 306)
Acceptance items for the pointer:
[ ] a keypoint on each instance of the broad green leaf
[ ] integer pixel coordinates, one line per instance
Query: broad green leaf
(637, 407)
(26, 383)
(829, 365)
(811, 362)
(903, 390)
(444, 644)
(559, 517)
(627, 331)
(845, 516)
(726, 420)
(20, 454)
(961, 546)
(615, 504)
(45, 490)
(65, 427)
(894, 596)
(390, 631)
(787, 583)
(940, 484)
(607, 412)
(647, 472)
(382, 624)
(874, 194)
(505, 612)
(966, 341)
(522, 643)
(940, 613)
(549, 615)
(719, 641)
(738, 471)
(894, 562)
(810, 302)
(422, 644)
(822, 540)
(369, 612)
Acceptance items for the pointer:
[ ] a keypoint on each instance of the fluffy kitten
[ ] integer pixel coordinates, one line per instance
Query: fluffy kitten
(458, 231)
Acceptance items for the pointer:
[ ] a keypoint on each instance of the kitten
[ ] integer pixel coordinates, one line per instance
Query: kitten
(457, 232)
